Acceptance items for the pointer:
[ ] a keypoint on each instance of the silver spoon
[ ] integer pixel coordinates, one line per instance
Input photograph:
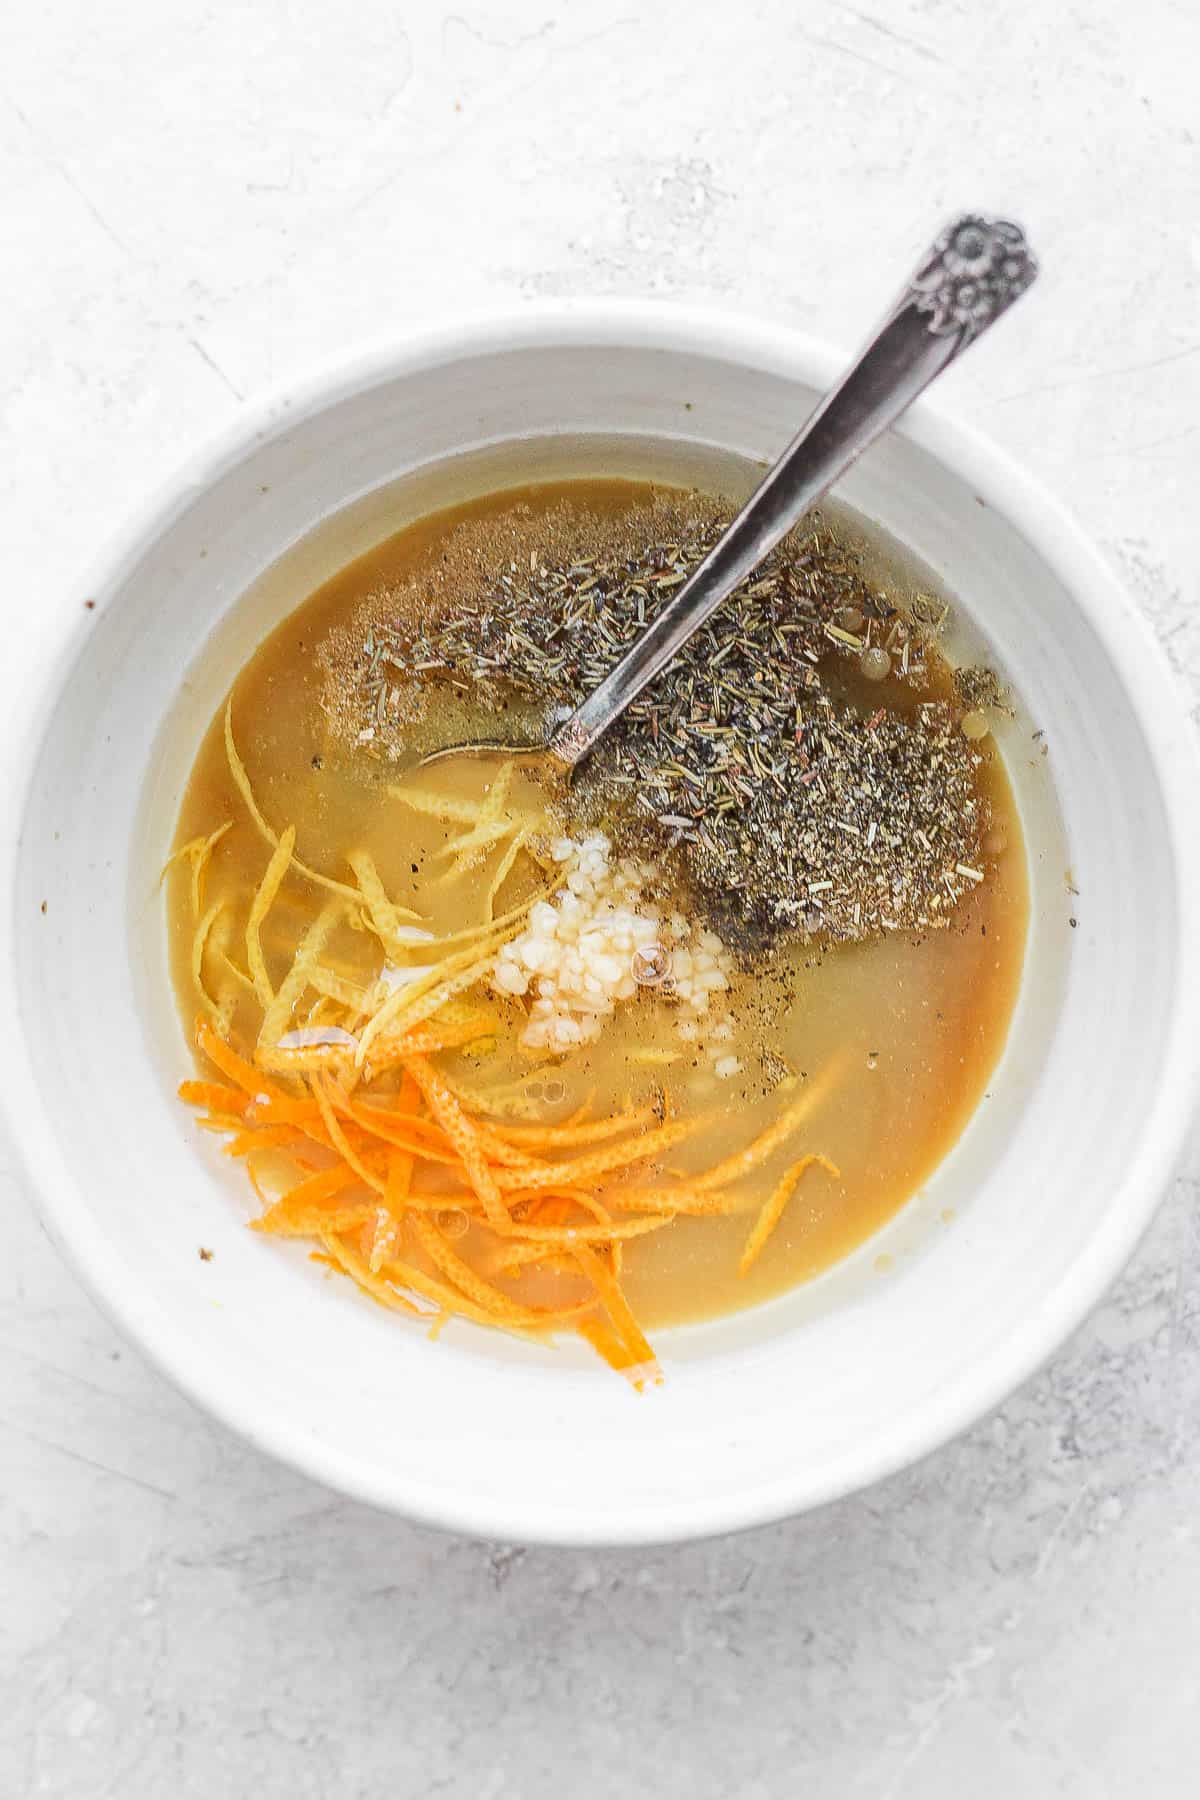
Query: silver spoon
(970, 275)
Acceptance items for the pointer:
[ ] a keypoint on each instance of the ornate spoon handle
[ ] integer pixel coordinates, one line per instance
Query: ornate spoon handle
(969, 276)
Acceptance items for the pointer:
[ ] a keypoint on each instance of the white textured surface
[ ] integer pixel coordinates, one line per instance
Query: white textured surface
(196, 201)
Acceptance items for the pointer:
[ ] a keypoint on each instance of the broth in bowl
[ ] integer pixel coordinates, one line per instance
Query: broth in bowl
(627, 1055)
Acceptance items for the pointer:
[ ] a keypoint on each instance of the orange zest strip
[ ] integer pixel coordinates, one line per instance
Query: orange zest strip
(343, 1257)
(591, 1234)
(243, 1074)
(402, 1113)
(600, 1162)
(341, 1215)
(554, 1137)
(385, 1238)
(408, 1098)
(440, 1200)
(451, 1299)
(283, 1111)
(772, 1211)
(641, 1365)
(214, 1121)
(263, 1137)
(500, 1306)
(596, 1330)
(732, 1167)
(212, 1095)
(307, 1198)
(683, 1200)
(341, 1142)
(399, 1183)
(385, 1242)
(553, 1207)
(422, 1040)
(417, 1125)
(510, 1257)
(304, 1159)
(399, 1131)
(495, 1145)
(461, 1134)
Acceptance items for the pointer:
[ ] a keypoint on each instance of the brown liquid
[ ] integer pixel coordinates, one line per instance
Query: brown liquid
(916, 1023)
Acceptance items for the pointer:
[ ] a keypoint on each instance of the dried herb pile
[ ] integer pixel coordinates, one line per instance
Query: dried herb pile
(805, 755)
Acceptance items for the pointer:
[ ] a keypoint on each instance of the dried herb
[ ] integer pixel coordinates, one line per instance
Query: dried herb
(803, 755)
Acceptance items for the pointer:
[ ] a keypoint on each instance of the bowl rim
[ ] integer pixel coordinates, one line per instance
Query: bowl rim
(1059, 541)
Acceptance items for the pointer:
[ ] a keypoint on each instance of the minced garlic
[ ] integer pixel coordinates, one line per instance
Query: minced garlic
(593, 945)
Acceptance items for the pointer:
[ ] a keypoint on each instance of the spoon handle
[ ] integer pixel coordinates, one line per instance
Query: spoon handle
(968, 277)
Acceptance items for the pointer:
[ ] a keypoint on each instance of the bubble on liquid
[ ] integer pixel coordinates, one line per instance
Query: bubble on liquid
(875, 664)
(453, 1222)
(650, 964)
(850, 618)
(554, 1090)
(975, 726)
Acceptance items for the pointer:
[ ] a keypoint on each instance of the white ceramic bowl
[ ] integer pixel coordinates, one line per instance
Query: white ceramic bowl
(762, 1415)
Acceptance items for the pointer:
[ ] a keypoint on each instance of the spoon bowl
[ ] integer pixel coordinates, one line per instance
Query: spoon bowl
(542, 759)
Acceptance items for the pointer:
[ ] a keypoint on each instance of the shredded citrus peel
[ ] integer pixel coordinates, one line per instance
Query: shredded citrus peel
(395, 1169)
(435, 805)
(493, 823)
(732, 1168)
(773, 1209)
(260, 906)
(429, 1191)
(241, 781)
(418, 1000)
(503, 870)
(196, 853)
(384, 915)
(200, 939)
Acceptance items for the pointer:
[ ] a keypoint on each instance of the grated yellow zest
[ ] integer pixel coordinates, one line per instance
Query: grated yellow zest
(197, 852)
(241, 781)
(199, 941)
(268, 887)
